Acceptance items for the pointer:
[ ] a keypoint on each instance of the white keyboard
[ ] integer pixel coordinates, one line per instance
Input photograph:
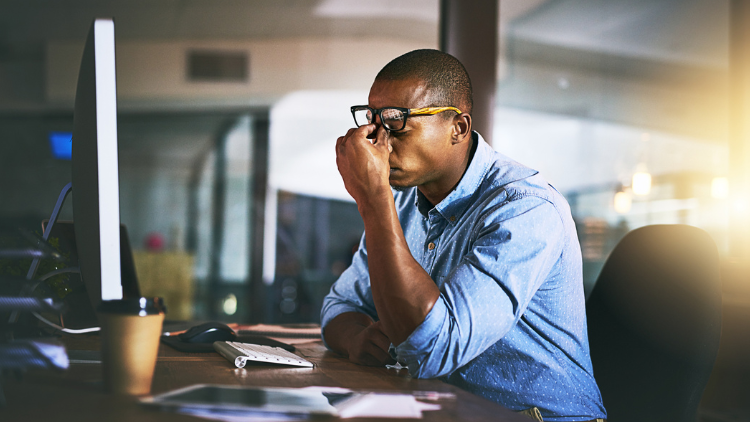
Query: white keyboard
(240, 353)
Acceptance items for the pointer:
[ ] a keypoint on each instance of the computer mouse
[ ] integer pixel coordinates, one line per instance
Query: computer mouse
(208, 332)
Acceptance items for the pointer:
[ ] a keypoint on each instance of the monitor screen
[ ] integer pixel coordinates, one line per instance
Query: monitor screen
(61, 146)
(96, 193)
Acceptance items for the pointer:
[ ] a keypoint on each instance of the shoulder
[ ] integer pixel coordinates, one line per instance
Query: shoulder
(496, 173)
(510, 188)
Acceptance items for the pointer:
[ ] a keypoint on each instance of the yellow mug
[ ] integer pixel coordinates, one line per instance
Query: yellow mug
(130, 333)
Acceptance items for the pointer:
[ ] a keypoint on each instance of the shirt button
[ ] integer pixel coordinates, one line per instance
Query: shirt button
(431, 246)
(453, 218)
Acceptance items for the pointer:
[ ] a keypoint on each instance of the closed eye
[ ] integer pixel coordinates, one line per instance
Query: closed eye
(399, 134)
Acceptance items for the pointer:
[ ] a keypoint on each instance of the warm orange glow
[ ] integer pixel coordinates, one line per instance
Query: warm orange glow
(720, 188)
(741, 205)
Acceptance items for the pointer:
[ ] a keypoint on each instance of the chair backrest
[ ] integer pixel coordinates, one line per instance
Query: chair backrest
(654, 319)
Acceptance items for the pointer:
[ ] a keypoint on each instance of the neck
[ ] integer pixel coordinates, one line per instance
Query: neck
(436, 192)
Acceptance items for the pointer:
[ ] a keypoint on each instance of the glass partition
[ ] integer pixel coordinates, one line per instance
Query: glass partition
(622, 106)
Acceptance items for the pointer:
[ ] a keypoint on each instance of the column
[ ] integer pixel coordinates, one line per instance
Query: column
(469, 31)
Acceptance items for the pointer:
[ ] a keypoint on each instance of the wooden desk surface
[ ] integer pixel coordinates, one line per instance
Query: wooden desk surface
(77, 394)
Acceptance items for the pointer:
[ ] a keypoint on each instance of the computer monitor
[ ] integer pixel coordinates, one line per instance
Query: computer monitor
(96, 192)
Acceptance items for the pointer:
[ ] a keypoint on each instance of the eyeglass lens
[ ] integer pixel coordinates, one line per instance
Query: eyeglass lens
(393, 119)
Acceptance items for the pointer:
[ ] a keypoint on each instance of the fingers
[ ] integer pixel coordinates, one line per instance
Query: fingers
(383, 139)
(380, 341)
(375, 356)
(352, 131)
(362, 132)
(374, 134)
(339, 143)
(378, 336)
(371, 347)
(372, 356)
(369, 131)
(379, 137)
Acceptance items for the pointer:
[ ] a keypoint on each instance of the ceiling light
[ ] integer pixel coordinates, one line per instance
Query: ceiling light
(623, 202)
(641, 183)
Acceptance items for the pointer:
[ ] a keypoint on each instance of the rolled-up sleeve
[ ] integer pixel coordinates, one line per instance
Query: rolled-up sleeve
(516, 245)
(351, 292)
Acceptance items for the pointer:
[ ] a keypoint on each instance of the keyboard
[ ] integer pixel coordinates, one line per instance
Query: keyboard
(240, 353)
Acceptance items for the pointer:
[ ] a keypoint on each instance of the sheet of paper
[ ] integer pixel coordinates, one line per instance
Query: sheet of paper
(289, 330)
(379, 405)
(292, 340)
(239, 416)
(367, 405)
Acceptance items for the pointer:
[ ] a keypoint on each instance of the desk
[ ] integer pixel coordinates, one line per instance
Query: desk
(76, 394)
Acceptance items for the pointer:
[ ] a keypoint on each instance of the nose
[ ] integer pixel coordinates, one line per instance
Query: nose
(377, 120)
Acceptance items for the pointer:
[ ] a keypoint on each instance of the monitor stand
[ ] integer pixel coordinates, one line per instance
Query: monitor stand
(29, 287)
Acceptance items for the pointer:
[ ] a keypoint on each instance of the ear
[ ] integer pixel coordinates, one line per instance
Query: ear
(461, 128)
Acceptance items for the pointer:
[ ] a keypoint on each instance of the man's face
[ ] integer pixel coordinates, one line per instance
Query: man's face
(422, 154)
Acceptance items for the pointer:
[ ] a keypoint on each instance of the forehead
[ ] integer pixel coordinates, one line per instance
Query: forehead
(407, 93)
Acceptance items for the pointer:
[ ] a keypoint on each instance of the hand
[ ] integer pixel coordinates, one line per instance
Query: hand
(362, 160)
(370, 347)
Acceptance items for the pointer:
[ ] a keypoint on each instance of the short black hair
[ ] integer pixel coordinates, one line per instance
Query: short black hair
(446, 78)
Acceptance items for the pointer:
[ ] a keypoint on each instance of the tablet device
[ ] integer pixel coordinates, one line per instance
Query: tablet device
(225, 398)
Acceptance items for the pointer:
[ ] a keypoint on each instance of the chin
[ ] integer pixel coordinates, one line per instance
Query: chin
(399, 182)
(399, 185)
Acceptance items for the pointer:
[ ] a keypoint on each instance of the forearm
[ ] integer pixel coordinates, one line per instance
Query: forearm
(343, 328)
(402, 290)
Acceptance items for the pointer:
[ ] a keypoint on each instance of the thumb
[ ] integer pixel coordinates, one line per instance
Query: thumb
(369, 131)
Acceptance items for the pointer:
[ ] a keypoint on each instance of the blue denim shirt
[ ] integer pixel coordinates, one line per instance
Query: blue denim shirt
(510, 323)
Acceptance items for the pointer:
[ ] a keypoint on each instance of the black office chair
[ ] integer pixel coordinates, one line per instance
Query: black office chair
(654, 319)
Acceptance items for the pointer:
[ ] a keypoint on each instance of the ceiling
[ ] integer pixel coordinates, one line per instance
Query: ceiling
(25, 26)
(657, 65)
(578, 57)
(690, 32)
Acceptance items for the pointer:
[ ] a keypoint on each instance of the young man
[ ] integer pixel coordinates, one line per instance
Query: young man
(472, 269)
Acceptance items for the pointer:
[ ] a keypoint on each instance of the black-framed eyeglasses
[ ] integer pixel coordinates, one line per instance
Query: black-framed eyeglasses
(393, 118)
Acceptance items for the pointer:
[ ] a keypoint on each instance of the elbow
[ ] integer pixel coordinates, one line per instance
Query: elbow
(424, 370)
(433, 350)
(436, 363)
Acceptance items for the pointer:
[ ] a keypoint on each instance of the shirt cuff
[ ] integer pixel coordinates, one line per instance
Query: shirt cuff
(417, 347)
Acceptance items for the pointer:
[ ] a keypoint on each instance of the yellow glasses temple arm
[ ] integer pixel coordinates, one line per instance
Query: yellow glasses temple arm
(432, 110)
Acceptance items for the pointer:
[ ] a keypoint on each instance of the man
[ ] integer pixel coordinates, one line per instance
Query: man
(472, 269)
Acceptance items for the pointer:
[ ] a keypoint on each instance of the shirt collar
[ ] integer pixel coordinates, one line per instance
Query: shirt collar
(455, 204)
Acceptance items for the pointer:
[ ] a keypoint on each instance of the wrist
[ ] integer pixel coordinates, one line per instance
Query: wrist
(377, 203)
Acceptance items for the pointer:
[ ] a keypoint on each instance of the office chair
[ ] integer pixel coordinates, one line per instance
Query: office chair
(654, 320)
